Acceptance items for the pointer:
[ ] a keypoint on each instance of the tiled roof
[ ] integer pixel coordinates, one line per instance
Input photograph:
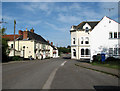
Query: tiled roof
(91, 23)
(10, 37)
(36, 37)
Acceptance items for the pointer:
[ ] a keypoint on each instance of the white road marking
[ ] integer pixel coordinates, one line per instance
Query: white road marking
(51, 77)
(63, 63)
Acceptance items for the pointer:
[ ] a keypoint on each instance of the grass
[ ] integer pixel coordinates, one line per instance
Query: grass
(98, 70)
(109, 64)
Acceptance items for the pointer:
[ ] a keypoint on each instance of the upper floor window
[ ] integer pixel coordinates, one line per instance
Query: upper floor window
(73, 40)
(87, 40)
(81, 40)
(115, 34)
(110, 35)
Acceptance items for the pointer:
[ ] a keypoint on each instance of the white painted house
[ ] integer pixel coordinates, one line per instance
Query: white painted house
(80, 36)
(29, 44)
(105, 38)
(92, 37)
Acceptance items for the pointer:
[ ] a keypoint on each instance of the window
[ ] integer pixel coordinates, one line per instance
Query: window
(110, 50)
(115, 51)
(73, 40)
(86, 29)
(11, 45)
(87, 40)
(119, 51)
(119, 35)
(81, 40)
(74, 52)
(87, 52)
(115, 34)
(82, 51)
(110, 35)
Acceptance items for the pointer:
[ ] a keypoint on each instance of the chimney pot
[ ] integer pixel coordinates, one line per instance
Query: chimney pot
(51, 43)
(32, 30)
(20, 32)
(48, 41)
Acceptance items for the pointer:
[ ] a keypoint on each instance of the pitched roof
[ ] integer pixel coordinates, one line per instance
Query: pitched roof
(36, 37)
(10, 37)
(91, 23)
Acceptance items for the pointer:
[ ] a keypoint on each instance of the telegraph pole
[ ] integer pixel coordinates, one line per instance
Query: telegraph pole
(14, 36)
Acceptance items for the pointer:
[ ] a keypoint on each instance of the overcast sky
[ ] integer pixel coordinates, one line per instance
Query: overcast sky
(52, 20)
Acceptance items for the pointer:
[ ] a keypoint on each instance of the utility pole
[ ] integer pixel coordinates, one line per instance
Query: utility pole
(14, 36)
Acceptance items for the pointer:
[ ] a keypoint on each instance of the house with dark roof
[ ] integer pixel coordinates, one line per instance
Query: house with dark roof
(90, 38)
(80, 44)
(29, 44)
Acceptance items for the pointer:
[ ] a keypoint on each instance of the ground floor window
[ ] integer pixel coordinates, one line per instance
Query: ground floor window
(74, 52)
(87, 52)
(82, 51)
(119, 51)
(114, 51)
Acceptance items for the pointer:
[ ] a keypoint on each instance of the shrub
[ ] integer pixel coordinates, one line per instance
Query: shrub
(98, 57)
(15, 58)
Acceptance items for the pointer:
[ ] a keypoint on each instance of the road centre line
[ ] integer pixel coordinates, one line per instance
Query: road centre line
(51, 77)
(63, 63)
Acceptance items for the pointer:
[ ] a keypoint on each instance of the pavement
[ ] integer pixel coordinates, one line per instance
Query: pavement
(58, 73)
(110, 71)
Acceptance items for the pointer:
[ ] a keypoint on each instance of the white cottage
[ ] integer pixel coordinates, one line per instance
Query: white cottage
(29, 44)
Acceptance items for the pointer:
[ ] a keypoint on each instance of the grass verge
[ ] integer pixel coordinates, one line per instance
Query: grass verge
(98, 70)
(110, 64)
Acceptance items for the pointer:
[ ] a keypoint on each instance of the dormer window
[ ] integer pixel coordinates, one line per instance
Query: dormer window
(86, 29)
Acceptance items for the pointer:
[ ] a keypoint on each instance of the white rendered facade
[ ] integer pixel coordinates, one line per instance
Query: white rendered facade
(102, 36)
(105, 38)
(80, 44)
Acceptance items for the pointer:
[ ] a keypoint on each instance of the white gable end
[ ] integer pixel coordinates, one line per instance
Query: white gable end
(86, 25)
(99, 36)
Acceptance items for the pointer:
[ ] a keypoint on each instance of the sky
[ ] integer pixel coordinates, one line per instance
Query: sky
(53, 20)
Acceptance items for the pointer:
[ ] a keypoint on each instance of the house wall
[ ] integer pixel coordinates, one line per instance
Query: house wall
(28, 51)
(99, 37)
(78, 46)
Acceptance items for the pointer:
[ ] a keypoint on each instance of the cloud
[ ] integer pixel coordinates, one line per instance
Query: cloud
(68, 18)
(34, 7)
(57, 28)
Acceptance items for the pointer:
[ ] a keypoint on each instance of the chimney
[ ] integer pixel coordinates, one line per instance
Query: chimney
(25, 34)
(32, 30)
(48, 41)
(26, 29)
(51, 43)
(20, 32)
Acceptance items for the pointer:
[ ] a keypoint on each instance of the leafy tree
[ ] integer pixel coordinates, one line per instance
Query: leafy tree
(3, 43)
(64, 50)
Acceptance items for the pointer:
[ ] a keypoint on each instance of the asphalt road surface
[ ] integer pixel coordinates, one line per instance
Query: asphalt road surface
(58, 73)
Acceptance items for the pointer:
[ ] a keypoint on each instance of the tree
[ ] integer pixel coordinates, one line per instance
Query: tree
(3, 43)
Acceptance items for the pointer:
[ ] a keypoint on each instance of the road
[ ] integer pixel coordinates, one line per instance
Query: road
(58, 73)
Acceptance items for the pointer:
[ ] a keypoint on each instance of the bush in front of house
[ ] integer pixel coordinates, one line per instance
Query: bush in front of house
(97, 58)
(16, 58)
